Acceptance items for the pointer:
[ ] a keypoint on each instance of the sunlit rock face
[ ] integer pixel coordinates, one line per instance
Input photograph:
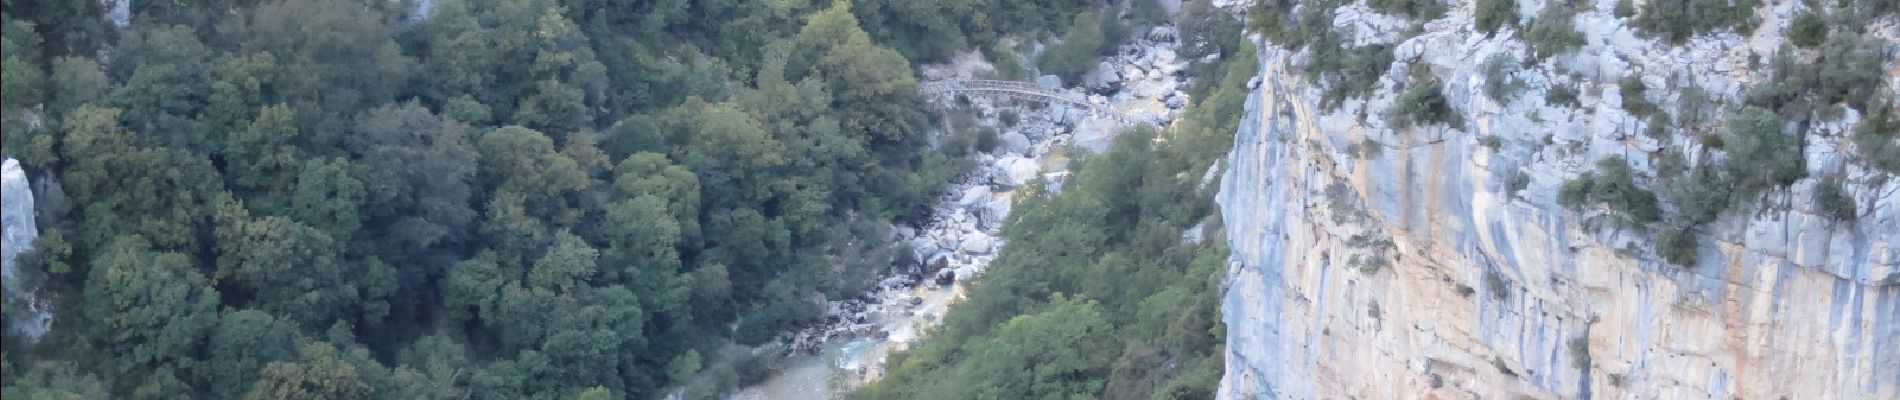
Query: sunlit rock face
(17, 232)
(1413, 271)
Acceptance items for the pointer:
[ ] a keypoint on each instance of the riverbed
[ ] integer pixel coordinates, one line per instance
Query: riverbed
(1142, 82)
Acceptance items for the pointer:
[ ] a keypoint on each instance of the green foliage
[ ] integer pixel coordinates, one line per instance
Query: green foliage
(1516, 180)
(1678, 20)
(152, 309)
(1207, 30)
(1807, 30)
(1677, 245)
(1552, 32)
(1424, 104)
(1346, 71)
(1499, 84)
(1095, 296)
(1635, 96)
(1833, 202)
(1878, 138)
(52, 381)
(1078, 51)
(1762, 154)
(1614, 185)
(508, 199)
(1489, 15)
(1848, 70)
(1423, 10)
(1279, 23)
(1561, 94)
(1624, 9)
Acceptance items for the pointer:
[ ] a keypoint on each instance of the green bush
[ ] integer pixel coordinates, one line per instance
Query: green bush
(1552, 32)
(1762, 153)
(986, 140)
(1849, 70)
(1494, 14)
(1424, 104)
(1658, 127)
(1346, 71)
(1807, 30)
(1614, 185)
(1692, 106)
(1701, 195)
(1077, 54)
(1634, 96)
(1677, 20)
(1277, 21)
(1833, 202)
(1624, 9)
(1424, 10)
(1499, 84)
(1563, 95)
(1575, 192)
(1878, 138)
(1516, 180)
(1677, 245)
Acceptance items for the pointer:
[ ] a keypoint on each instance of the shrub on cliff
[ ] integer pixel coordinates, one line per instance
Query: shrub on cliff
(1762, 153)
(1421, 10)
(1077, 53)
(1424, 104)
(1678, 20)
(1344, 71)
(1493, 14)
(1612, 184)
(1833, 202)
(1878, 138)
(1807, 30)
(1635, 96)
(1552, 32)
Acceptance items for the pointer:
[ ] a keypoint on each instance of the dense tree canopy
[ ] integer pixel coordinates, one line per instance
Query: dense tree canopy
(484, 199)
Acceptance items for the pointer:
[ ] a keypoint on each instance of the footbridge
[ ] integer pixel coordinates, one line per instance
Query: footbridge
(1021, 90)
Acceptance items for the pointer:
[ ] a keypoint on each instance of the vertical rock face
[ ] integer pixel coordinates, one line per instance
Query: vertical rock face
(1412, 271)
(17, 232)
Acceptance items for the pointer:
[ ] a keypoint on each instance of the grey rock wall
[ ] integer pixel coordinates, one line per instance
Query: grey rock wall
(17, 232)
(1411, 271)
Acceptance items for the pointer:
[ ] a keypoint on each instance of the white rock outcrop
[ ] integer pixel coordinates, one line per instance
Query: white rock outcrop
(1413, 272)
(17, 232)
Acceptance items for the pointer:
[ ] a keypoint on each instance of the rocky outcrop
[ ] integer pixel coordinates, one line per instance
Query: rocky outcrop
(17, 232)
(1372, 262)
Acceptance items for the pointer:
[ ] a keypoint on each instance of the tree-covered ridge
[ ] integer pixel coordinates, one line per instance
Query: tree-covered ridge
(499, 199)
(1098, 294)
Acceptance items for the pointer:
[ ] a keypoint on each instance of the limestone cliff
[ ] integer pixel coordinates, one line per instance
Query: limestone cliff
(17, 232)
(1413, 270)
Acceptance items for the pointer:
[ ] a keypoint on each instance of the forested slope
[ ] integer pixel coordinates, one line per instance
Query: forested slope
(477, 199)
(1110, 287)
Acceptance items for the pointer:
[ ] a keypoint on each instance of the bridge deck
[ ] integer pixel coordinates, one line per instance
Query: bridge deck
(1017, 89)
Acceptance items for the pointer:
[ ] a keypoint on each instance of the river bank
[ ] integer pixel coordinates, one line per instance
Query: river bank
(1144, 80)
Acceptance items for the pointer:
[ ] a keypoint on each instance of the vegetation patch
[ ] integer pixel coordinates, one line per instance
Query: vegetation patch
(1678, 20)
(1552, 32)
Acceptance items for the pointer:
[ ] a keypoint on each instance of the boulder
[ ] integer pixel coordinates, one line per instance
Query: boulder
(1013, 171)
(1176, 100)
(1017, 142)
(1104, 79)
(1049, 82)
(977, 245)
(974, 196)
